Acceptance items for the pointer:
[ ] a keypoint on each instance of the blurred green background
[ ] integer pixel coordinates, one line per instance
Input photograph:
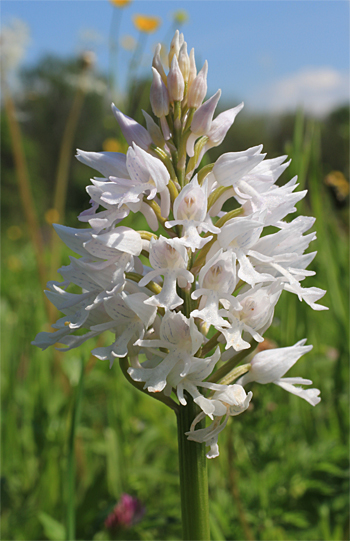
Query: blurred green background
(76, 435)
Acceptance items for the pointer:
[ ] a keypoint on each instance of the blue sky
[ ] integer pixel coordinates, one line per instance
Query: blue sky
(274, 55)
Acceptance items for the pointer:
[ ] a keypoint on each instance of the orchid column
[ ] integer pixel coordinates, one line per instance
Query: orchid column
(188, 301)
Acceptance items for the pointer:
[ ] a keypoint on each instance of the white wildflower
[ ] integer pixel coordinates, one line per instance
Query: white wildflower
(204, 286)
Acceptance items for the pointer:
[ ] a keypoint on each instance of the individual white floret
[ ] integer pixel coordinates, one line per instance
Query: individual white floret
(270, 365)
(146, 174)
(181, 337)
(169, 259)
(228, 401)
(278, 202)
(239, 235)
(74, 306)
(254, 317)
(266, 173)
(281, 254)
(104, 219)
(130, 317)
(217, 280)
(198, 371)
(115, 211)
(190, 211)
(232, 166)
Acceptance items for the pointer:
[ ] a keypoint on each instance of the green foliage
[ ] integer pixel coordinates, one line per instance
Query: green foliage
(282, 473)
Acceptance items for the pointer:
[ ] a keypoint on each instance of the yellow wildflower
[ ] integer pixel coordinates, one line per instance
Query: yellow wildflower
(146, 23)
(180, 16)
(52, 216)
(339, 183)
(112, 145)
(120, 3)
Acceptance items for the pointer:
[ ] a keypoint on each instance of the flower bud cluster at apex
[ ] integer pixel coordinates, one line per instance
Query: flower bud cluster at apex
(209, 273)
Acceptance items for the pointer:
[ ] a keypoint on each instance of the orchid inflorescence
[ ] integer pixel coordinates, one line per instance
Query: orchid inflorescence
(208, 272)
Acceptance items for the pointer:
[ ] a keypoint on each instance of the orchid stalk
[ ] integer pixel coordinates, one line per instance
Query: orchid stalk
(184, 325)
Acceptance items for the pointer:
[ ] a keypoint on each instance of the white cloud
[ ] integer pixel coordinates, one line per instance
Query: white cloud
(317, 90)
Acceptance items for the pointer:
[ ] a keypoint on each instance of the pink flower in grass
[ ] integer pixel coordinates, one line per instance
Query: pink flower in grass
(128, 512)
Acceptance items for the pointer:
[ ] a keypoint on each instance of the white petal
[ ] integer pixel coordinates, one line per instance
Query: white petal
(310, 395)
(110, 164)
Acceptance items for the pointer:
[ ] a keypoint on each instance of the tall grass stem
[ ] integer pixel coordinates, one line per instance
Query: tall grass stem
(25, 189)
(71, 466)
(61, 185)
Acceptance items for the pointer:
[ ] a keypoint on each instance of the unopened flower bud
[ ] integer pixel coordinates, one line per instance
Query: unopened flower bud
(159, 95)
(193, 70)
(132, 130)
(181, 39)
(184, 61)
(198, 88)
(174, 47)
(203, 117)
(157, 63)
(176, 83)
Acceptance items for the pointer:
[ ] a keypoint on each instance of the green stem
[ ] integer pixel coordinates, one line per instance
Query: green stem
(177, 123)
(235, 373)
(210, 344)
(229, 365)
(71, 458)
(163, 156)
(204, 172)
(193, 477)
(124, 365)
(189, 118)
(152, 286)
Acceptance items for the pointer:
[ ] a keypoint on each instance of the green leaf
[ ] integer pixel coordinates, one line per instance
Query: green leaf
(54, 530)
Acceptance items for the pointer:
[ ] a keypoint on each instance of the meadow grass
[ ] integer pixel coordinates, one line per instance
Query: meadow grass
(73, 441)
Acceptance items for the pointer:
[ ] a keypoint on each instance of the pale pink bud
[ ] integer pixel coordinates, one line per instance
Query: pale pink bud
(176, 83)
(157, 63)
(203, 117)
(193, 70)
(198, 88)
(159, 95)
(132, 130)
(174, 47)
(181, 39)
(184, 61)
